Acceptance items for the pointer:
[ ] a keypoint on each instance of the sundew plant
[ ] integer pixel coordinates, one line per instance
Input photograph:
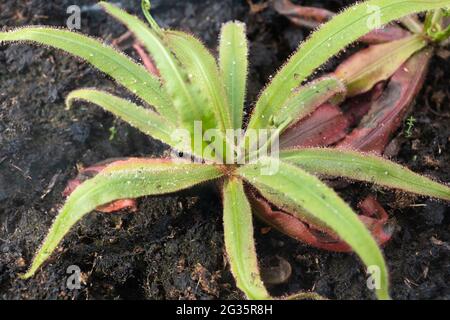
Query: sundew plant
(195, 104)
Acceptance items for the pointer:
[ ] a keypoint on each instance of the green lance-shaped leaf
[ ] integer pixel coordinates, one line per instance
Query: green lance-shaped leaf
(377, 63)
(300, 193)
(143, 119)
(200, 63)
(306, 99)
(239, 241)
(189, 100)
(364, 167)
(203, 71)
(121, 180)
(302, 103)
(329, 40)
(233, 61)
(131, 75)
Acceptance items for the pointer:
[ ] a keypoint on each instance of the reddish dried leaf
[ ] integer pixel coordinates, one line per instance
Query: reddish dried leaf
(357, 107)
(148, 62)
(303, 16)
(388, 111)
(118, 205)
(121, 39)
(146, 59)
(324, 126)
(376, 219)
(373, 216)
(364, 69)
(386, 34)
(87, 173)
(328, 125)
(90, 172)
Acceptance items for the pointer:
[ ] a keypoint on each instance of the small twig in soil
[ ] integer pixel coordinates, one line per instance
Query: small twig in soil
(418, 205)
(51, 185)
(21, 171)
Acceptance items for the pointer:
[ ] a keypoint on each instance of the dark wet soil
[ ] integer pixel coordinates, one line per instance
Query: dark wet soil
(172, 247)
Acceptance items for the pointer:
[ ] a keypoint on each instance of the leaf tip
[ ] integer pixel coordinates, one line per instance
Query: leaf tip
(27, 275)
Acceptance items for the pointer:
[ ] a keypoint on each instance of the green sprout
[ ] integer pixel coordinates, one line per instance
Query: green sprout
(409, 126)
(193, 87)
(112, 133)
